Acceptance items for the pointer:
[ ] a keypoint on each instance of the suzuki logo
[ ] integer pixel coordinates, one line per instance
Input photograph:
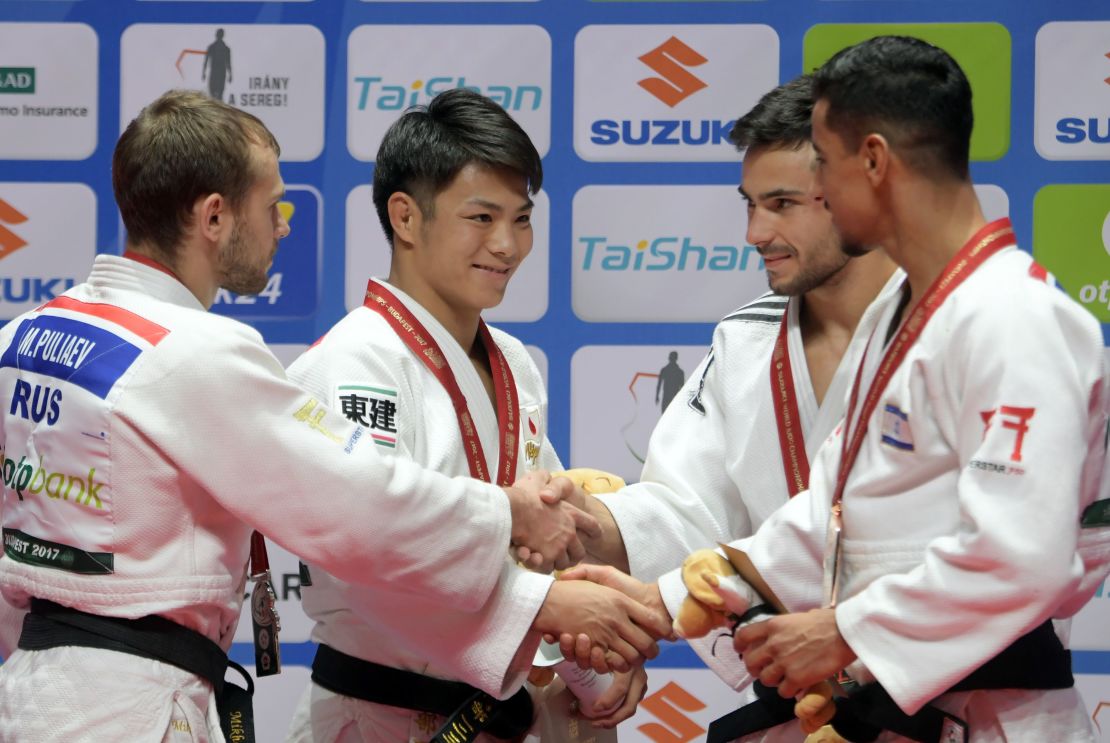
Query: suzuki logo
(669, 705)
(675, 84)
(9, 241)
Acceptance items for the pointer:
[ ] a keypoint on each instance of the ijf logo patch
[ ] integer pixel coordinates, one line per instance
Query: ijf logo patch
(896, 428)
(372, 406)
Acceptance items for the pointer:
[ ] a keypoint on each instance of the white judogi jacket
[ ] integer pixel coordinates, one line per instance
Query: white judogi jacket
(959, 537)
(714, 469)
(154, 436)
(491, 649)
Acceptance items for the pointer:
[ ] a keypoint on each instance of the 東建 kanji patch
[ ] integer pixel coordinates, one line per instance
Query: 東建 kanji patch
(372, 406)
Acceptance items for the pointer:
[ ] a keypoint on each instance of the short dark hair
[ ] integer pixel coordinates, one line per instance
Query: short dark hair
(780, 120)
(182, 147)
(909, 91)
(426, 148)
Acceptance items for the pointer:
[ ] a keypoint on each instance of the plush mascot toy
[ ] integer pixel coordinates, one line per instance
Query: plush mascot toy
(718, 596)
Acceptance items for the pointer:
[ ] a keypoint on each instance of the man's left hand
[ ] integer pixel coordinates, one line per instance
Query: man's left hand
(794, 651)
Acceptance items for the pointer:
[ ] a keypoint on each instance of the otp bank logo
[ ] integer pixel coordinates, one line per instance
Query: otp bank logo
(1072, 119)
(664, 93)
(633, 248)
(510, 64)
(47, 242)
(1071, 238)
(981, 49)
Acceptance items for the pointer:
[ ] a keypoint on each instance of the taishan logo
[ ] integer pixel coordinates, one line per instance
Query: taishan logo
(17, 80)
(9, 241)
(670, 60)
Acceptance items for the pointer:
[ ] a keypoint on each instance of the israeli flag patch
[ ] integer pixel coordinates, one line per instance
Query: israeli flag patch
(896, 428)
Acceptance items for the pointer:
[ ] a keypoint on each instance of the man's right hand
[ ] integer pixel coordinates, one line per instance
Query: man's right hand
(547, 531)
(621, 631)
(583, 649)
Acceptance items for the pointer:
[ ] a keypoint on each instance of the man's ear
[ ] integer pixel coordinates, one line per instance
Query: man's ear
(404, 216)
(875, 151)
(212, 217)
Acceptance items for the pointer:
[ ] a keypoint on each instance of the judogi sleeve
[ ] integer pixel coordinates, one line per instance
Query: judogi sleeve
(281, 461)
(1022, 362)
(685, 499)
(788, 552)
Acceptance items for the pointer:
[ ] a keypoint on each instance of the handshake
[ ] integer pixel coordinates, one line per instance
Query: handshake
(612, 629)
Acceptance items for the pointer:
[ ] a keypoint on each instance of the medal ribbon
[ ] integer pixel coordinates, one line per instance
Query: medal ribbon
(795, 462)
(420, 342)
(983, 244)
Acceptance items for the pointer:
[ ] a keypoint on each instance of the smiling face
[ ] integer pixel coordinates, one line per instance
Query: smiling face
(787, 219)
(246, 257)
(464, 253)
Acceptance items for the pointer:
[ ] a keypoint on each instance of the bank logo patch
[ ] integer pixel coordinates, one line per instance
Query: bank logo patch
(372, 406)
(645, 244)
(48, 91)
(510, 64)
(1071, 238)
(275, 72)
(1072, 102)
(983, 50)
(47, 242)
(682, 112)
(368, 254)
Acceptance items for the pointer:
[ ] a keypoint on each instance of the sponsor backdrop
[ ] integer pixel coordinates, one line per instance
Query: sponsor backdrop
(639, 230)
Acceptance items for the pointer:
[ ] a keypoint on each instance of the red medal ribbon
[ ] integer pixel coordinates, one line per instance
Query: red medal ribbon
(982, 245)
(795, 461)
(420, 342)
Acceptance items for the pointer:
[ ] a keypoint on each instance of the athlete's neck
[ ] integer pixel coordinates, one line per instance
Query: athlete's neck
(462, 325)
(929, 224)
(829, 314)
(186, 265)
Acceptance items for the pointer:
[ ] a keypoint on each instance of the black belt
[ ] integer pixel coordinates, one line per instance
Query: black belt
(1036, 660)
(50, 625)
(469, 711)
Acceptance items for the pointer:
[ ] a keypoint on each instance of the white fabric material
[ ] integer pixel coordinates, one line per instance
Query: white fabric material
(492, 648)
(954, 549)
(88, 695)
(716, 475)
(204, 443)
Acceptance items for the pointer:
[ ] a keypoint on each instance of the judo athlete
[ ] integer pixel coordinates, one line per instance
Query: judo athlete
(735, 445)
(418, 368)
(961, 507)
(144, 438)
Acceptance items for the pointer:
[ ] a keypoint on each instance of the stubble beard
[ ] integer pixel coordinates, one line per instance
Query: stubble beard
(238, 274)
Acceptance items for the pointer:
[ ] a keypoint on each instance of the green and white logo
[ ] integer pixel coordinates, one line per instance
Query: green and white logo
(17, 80)
(1071, 238)
(981, 49)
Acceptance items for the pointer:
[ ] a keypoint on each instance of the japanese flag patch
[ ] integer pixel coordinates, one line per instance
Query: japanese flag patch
(372, 406)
